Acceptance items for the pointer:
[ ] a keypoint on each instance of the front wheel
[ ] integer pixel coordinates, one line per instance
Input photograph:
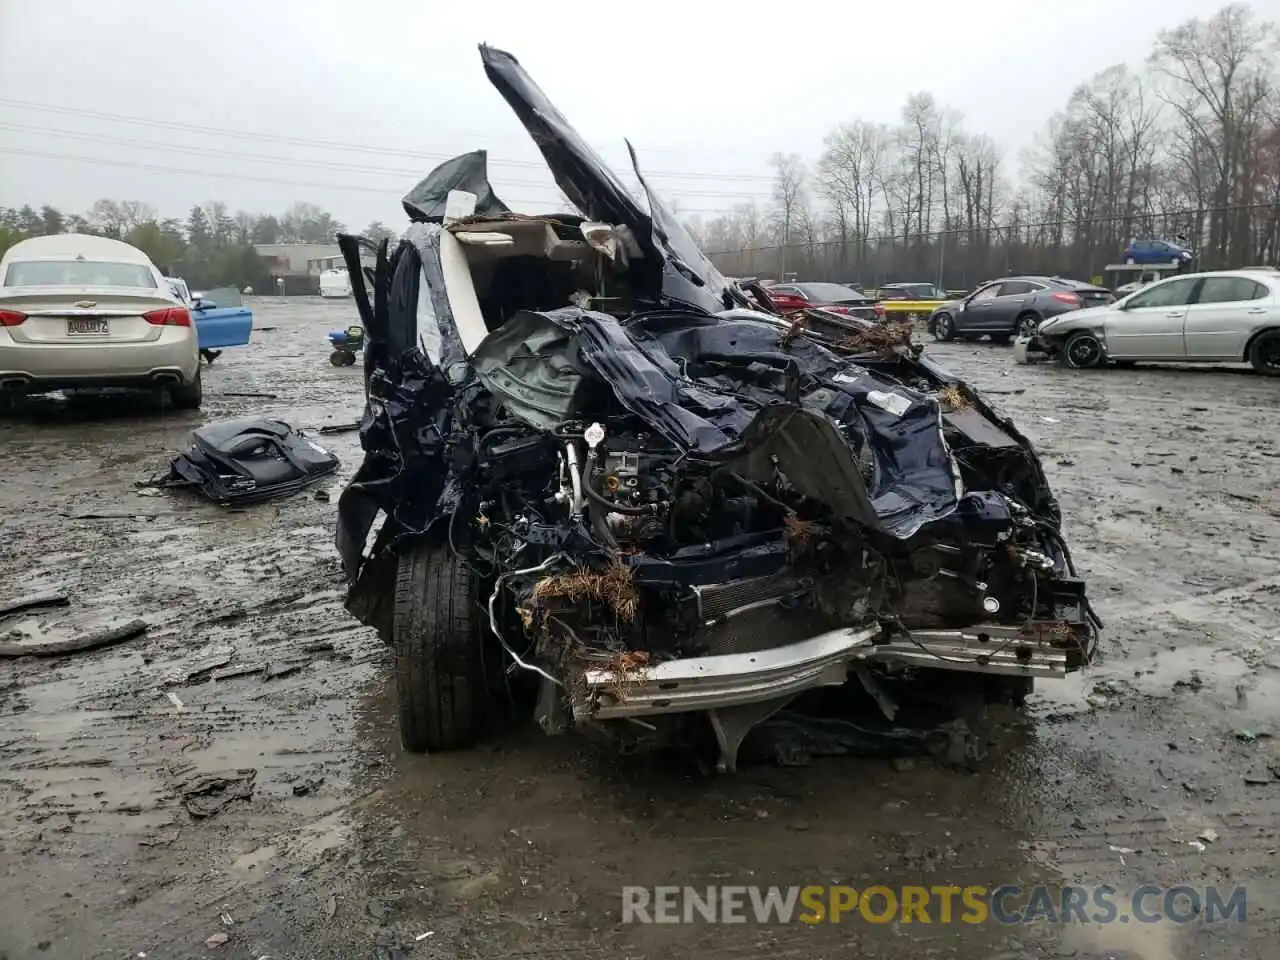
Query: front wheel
(943, 327)
(1082, 351)
(1028, 323)
(437, 635)
(1264, 353)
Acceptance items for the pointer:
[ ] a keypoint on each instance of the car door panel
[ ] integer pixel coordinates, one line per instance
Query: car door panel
(1226, 312)
(975, 317)
(1150, 327)
(1006, 305)
(223, 326)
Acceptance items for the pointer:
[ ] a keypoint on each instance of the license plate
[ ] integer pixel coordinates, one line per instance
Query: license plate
(87, 327)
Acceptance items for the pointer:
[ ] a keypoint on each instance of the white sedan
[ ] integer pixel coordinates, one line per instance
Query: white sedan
(1226, 316)
(85, 311)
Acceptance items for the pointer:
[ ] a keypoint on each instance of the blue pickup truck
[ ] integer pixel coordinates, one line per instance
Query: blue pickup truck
(219, 322)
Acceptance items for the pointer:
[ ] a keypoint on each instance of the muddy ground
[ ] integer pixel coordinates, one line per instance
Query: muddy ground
(344, 847)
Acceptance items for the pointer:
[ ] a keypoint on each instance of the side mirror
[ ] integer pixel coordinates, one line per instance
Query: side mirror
(198, 305)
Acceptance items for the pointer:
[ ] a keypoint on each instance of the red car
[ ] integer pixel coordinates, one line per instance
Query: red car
(836, 297)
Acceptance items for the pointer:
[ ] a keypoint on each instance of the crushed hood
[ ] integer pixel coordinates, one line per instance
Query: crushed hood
(673, 268)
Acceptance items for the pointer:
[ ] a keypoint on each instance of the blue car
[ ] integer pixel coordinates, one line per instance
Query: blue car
(225, 323)
(1156, 251)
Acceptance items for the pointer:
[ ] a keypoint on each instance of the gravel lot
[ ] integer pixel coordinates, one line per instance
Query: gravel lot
(1170, 482)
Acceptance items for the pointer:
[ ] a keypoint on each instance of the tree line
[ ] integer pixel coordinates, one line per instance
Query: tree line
(1188, 147)
(212, 247)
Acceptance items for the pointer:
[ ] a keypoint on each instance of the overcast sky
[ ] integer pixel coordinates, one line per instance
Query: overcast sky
(346, 104)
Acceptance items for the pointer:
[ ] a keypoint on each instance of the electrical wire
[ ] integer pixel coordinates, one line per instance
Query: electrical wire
(340, 145)
(216, 175)
(152, 145)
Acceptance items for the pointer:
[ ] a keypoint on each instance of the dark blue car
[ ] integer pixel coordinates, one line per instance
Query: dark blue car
(1156, 251)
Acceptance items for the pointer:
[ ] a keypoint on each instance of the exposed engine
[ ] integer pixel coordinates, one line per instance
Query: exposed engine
(679, 556)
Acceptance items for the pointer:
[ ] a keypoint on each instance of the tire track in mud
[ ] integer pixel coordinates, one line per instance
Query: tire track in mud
(520, 848)
(96, 748)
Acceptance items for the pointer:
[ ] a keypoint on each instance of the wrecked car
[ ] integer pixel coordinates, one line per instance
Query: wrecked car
(602, 477)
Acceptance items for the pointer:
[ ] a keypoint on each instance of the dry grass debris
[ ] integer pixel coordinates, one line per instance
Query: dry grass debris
(952, 398)
(614, 587)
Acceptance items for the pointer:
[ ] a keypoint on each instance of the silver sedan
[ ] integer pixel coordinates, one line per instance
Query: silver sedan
(82, 311)
(1226, 316)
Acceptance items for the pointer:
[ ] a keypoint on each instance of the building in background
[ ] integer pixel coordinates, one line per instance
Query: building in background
(299, 265)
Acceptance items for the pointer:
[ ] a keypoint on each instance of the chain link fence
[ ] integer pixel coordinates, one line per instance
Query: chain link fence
(961, 259)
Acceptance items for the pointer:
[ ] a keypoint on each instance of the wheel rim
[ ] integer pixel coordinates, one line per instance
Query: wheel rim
(943, 327)
(1084, 351)
(1029, 325)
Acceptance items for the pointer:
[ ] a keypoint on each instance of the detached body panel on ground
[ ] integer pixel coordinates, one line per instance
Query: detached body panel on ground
(82, 311)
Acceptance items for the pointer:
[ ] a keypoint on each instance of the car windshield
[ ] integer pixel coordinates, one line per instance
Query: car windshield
(828, 292)
(78, 273)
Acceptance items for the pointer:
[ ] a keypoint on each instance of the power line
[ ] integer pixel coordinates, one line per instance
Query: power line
(334, 144)
(319, 164)
(357, 188)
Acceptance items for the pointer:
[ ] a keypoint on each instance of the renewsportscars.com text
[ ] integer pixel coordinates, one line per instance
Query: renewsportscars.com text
(1008, 904)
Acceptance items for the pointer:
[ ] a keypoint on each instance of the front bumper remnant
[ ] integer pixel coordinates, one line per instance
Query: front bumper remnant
(731, 680)
(1030, 350)
(724, 680)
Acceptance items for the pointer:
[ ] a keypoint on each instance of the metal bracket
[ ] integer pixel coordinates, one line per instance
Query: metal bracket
(878, 693)
(550, 709)
(732, 724)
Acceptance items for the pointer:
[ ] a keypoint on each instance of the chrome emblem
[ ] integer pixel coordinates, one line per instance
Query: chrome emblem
(85, 304)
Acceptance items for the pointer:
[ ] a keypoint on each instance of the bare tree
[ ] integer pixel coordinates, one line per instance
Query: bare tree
(134, 213)
(245, 223)
(849, 177)
(919, 137)
(789, 199)
(1216, 79)
(108, 218)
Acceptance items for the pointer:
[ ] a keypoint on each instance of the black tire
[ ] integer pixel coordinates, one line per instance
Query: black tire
(1264, 353)
(436, 636)
(335, 358)
(1082, 351)
(944, 327)
(348, 359)
(187, 396)
(1027, 324)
